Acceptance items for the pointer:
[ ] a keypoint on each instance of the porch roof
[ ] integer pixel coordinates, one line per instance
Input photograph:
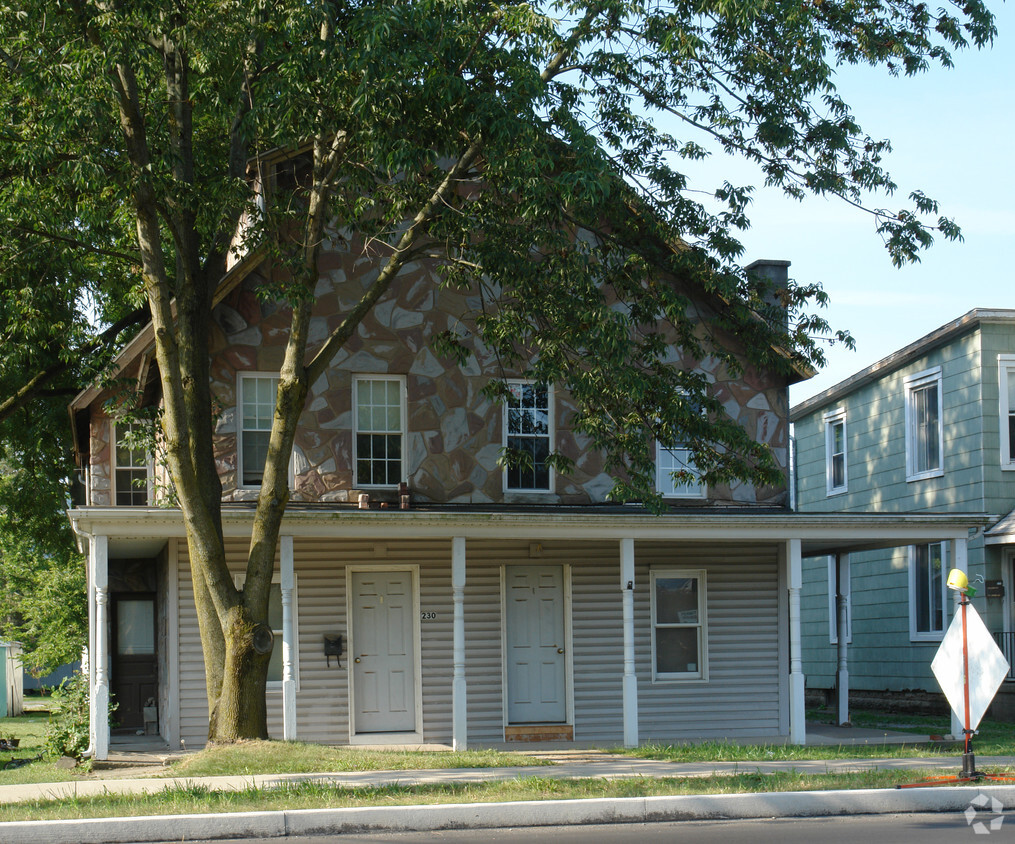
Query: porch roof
(1002, 532)
(139, 531)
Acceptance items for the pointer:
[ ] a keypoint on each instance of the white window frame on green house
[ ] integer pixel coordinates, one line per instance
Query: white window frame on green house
(376, 420)
(125, 474)
(1006, 423)
(924, 425)
(695, 619)
(276, 631)
(675, 458)
(515, 430)
(836, 452)
(254, 417)
(924, 592)
(833, 609)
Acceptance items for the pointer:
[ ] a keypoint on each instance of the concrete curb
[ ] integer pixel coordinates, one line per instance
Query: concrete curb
(492, 815)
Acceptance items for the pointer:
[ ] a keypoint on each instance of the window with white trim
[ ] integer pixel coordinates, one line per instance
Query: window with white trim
(924, 432)
(528, 430)
(679, 628)
(256, 401)
(673, 459)
(275, 623)
(379, 402)
(131, 467)
(927, 592)
(1006, 376)
(836, 481)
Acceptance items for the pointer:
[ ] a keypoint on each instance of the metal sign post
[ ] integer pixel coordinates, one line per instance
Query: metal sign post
(969, 667)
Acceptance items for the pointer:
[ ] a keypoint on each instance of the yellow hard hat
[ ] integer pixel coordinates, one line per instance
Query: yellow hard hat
(957, 580)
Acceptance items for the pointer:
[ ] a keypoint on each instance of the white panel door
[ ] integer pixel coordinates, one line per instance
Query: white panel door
(534, 604)
(384, 687)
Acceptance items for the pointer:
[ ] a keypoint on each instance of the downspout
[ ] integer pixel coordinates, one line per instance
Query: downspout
(792, 468)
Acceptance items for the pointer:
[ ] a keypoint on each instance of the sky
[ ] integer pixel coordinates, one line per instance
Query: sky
(953, 137)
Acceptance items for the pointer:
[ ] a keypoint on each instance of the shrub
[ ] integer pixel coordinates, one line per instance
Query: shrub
(68, 724)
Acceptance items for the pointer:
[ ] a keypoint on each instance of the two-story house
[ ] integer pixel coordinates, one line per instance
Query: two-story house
(929, 429)
(426, 593)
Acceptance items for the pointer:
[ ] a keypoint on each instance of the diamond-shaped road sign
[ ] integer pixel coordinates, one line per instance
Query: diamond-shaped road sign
(987, 666)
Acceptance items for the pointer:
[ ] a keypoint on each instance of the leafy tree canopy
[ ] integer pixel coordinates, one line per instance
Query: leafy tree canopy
(532, 152)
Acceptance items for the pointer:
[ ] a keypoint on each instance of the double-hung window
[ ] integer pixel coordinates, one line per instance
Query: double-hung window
(679, 629)
(924, 431)
(673, 459)
(380, 430)
(927, 592)
(256, 401)
(131, 467)
(835, 452)
(1006, 374)
(528, 427)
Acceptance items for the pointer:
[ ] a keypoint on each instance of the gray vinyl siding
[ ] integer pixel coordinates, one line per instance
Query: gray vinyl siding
(598, 621)
(741, 697)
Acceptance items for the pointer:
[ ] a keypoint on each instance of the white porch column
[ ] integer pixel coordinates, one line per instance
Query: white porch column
(288, 580)
(842, 575)
(459, 692)
(959, 560)
(98, 562)
(794, 579)
(630, 678)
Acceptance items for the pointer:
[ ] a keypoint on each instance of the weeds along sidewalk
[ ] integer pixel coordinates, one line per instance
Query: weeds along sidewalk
(608, 767)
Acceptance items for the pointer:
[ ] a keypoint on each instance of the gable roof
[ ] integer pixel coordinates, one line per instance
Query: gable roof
(966, 323)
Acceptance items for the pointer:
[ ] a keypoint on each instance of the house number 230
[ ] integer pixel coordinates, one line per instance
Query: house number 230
(427, 616)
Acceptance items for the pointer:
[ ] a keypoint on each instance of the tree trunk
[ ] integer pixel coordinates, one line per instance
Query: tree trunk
(241, 711)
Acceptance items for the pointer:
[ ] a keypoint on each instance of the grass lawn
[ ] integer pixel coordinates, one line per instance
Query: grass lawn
(994, 738)
(246, 758)
(251, 757)
(199, 799)
(293, 757)
(30, 729)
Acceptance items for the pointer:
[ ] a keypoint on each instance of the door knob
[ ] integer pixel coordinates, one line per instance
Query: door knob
(560, 650)
(356, 660)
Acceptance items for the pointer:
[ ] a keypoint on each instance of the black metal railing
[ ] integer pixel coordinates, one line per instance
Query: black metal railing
(1006, 642)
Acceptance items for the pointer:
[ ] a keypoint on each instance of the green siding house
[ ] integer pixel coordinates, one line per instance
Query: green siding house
(928, 429)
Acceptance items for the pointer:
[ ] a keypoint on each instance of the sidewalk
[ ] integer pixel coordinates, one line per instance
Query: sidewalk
(569, 763)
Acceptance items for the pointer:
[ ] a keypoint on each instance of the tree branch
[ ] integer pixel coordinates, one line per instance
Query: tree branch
(394, 264)
(135, 260)
(33, 387)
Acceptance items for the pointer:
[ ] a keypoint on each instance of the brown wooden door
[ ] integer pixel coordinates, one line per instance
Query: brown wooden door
(134, 668)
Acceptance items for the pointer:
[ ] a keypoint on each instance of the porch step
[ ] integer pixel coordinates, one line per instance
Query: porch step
(539, 732)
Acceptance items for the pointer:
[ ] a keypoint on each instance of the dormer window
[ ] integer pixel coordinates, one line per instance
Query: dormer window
(131, 467)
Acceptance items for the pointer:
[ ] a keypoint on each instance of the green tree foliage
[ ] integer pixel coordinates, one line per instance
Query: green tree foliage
(42, 576)
(533, 153)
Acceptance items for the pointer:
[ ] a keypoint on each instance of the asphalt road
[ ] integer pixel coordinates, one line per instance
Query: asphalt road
(942, 828)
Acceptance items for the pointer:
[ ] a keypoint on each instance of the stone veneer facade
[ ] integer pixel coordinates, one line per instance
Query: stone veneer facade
(454, 434)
